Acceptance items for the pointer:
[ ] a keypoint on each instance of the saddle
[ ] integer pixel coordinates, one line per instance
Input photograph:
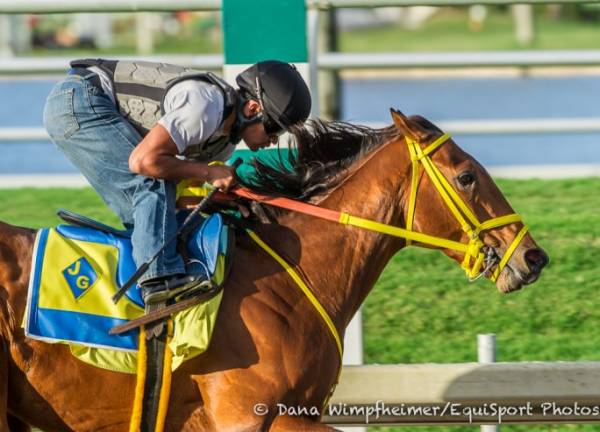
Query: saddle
(205, 247)
(77, 268)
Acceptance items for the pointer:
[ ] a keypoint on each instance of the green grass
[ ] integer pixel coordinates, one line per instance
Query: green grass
(36, 208)
(448, 30)
(203, 35)
(423, 309)
(439, 313)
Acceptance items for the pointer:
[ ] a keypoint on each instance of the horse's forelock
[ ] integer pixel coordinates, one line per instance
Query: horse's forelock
(426, 124)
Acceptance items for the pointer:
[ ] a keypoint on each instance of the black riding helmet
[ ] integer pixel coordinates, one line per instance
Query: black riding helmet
(281, 91)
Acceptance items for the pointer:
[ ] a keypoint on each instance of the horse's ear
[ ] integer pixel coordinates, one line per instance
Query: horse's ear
(399, 119)
(407, 127)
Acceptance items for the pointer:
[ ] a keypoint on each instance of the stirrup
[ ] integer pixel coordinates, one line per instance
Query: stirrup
(202, 287)
(161, 291)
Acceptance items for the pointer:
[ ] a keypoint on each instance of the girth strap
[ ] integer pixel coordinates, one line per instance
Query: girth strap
(153, 386)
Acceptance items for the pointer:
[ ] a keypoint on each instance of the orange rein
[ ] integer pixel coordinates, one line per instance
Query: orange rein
(285, 203)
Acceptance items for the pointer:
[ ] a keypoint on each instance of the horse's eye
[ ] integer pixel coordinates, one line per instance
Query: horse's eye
(466, 179)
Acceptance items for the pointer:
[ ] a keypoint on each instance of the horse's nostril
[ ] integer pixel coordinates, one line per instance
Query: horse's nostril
(536, 259)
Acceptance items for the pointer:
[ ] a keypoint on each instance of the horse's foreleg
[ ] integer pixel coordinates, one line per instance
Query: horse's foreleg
(3, 387)
(301, 424)
(7, 422)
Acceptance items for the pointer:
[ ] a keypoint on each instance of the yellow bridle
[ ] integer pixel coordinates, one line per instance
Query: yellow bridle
(474, 257)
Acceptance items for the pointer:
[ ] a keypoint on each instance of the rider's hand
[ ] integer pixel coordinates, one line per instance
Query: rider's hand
(222, 177)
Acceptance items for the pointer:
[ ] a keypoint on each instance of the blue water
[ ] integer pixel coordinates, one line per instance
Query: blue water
(369, 100)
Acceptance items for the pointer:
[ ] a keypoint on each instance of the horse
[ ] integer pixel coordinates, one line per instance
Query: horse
(269, 345)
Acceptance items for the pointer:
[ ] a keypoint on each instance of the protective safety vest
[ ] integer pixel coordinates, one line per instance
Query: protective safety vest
(140, 88)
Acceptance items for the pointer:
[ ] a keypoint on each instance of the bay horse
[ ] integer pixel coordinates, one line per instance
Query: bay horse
(269, 346)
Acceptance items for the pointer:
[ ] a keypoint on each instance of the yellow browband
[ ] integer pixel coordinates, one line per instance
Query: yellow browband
(474, 257)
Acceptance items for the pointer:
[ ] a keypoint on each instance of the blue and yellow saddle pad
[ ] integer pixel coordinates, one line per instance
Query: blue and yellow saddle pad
(76, 271)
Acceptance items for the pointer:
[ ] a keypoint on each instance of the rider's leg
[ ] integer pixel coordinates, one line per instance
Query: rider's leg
(87, 127)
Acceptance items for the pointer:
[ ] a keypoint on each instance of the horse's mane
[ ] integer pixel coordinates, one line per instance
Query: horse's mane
(321, 152)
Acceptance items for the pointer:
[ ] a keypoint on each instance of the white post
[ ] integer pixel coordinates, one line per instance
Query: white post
(20, 34)
(313, 48)
(486, 353)
(353, 353)
(5, 36)
(103, 31)
(144, 29)
(523, 16)
(353, 341)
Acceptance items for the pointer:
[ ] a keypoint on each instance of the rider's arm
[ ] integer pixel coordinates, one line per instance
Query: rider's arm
(155, 156)
(192, 114)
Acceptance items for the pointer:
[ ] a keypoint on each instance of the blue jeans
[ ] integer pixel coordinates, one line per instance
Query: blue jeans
(85, 124)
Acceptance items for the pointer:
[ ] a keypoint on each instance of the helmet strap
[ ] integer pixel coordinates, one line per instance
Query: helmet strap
(242, 121)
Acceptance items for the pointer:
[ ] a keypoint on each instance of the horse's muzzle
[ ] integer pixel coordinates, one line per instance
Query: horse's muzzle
(536, 259)
(523, 269)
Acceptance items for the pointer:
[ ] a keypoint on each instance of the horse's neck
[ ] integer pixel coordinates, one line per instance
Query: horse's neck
(343, 262)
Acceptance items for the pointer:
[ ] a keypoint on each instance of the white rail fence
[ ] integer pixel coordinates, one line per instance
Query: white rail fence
(73, 6)
(344, 61)
(458, 127)
(59, 65)
(526, 392)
